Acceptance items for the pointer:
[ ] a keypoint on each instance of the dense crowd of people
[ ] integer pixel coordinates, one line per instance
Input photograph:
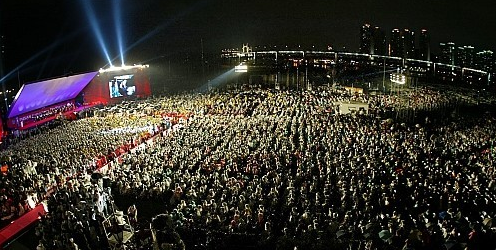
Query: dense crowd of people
(278, 165)
(37, 164)
(77, 212)
(281, 167)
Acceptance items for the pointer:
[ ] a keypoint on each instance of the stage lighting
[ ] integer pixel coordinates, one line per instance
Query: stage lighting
(37, 55)
(114, 68)
(241, 68)
(118, 28)
(398, 78)
(219, 80)
(96, 28)
(169, 22)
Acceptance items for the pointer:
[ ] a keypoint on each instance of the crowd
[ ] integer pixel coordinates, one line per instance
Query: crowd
(35, 166)
(281, 167)
(77, 212)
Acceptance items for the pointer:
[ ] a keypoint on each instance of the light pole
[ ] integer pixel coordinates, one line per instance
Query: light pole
(306, 75)
(297, 76)
(384, 75)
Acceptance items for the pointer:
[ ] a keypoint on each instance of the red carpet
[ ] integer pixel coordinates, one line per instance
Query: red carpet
(15, 227)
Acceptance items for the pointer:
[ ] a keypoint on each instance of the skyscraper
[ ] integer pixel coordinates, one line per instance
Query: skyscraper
(378, 42)
(396, 44)
(447, 53)
(424, 45)
(485, 61)
(465, 56)
(408, 40)
(372, 40)
(2, 55)
(366, 39)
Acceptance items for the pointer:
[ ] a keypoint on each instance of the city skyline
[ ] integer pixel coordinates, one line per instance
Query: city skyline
(58, 38)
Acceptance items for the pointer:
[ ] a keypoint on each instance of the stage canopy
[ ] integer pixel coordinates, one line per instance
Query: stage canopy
(37, 95)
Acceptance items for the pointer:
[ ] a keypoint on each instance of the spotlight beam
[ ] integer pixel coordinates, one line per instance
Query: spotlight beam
(219, 80)
(90, 14)
(159, 28)
(40, 53)
(49, 55)
(118, 28)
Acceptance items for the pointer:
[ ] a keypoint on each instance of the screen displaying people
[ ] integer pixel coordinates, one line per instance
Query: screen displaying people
(121, 86)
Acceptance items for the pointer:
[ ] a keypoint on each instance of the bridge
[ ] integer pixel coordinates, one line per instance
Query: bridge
(335, 55)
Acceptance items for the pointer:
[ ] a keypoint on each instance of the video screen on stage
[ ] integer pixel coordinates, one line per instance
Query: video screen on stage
(122, 86)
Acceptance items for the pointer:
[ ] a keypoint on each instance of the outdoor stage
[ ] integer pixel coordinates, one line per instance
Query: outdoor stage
(70, 115)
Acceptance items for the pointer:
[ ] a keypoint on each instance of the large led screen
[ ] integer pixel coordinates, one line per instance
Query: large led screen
(37, 95)
(122, 85)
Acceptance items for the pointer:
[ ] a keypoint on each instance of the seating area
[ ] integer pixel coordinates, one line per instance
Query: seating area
(266, 169)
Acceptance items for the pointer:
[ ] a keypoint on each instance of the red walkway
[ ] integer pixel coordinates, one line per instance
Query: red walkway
(17, 226)
(9, 232)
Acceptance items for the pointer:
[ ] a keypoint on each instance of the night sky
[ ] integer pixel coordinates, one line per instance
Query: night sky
(57, 36)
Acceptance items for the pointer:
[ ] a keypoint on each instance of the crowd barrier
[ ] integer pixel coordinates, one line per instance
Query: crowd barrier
(25, 221)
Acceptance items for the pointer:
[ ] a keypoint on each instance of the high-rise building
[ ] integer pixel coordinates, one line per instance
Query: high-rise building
(366, 39)
(484, 60)
(372, 40)
(2, 44)
(379, 42)
(396, 44)
(447, 53)
(2, 55)
(402, 43)
(424, 45)
(408, 40)
(465, 56)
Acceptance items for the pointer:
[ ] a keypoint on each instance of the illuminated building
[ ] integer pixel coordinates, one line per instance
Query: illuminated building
(484, 61)
(366, 39)
(424, 46)
(396, 44)
(447, 55)
(372, 40)
(378, 42)
(465, 56)
(408, 39)
(2, 52)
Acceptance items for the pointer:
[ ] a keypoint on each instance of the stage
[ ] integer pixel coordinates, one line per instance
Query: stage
(69, 115)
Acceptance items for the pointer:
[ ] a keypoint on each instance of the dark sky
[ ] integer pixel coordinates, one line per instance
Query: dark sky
(57, 37)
